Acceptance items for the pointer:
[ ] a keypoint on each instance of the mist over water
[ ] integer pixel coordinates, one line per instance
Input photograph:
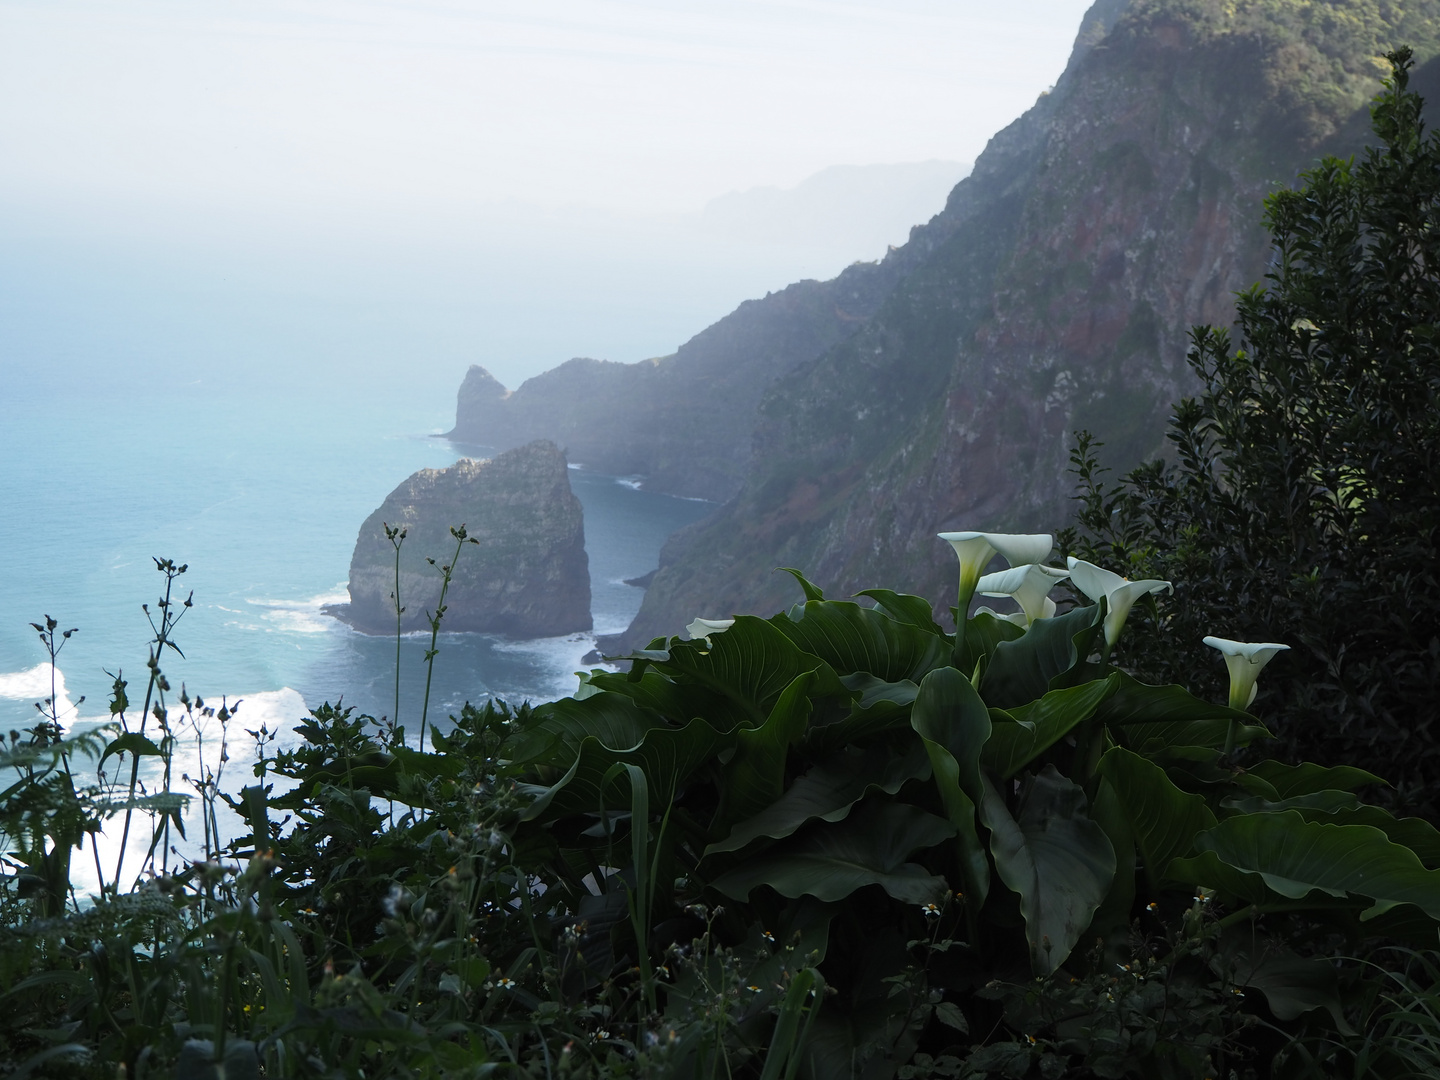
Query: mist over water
(239, 394)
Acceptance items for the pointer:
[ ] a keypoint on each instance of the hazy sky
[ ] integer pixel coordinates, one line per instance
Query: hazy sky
(441, 105)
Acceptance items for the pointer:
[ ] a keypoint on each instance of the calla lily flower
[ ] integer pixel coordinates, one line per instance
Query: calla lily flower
(975, 549)
(1120, 593)
(703, 628)
(1017, 618)
(1245, 661)
(1029, 586)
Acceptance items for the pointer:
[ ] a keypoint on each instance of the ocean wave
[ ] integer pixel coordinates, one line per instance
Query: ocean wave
(198, 750)
(33, 684)
(562, 656)
(302, 616)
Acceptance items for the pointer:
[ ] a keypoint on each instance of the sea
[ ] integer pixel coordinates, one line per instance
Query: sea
(241, 416)
(260, 501)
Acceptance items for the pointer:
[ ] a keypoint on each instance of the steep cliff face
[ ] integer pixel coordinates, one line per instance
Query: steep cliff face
(528, 575)
(1094, 232)
(685, 422)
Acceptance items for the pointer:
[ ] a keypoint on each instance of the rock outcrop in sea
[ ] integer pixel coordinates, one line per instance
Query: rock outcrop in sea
(527, 577)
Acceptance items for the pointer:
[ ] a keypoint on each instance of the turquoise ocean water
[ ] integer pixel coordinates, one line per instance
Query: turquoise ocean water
(243, 419)
(261, 499)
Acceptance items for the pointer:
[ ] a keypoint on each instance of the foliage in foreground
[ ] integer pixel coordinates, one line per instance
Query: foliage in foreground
(1304, 500)
(835, 842)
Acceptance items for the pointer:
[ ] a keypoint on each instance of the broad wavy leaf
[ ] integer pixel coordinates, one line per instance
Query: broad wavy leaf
(830, 862)
(1055, 858)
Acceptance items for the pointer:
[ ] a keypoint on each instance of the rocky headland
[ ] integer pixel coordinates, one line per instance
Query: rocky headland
(846, 422)
(684, 422)
(526, 577)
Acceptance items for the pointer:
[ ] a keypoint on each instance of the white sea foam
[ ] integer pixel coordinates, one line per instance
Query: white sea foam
(33, 684)
(301, 616)
(562, 656)
(198, 752)
(631, 482)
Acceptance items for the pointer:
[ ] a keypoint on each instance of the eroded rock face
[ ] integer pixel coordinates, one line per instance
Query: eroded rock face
(684, 422)
(528, 575)
(1056, 292)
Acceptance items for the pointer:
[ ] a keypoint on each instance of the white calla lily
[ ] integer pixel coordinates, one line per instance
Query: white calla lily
(703, 628)
(975, 549)
(1120, 593)
(1015, 617)
(1245, 660)
(1029, 586)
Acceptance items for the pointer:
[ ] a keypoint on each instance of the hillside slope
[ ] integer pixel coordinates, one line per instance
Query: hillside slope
(1093, 233)
(685, 421)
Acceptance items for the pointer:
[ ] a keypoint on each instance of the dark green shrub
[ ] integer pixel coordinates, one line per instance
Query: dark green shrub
(1303, 502)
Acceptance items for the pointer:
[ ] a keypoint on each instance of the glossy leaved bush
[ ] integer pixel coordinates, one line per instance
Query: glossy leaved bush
(1301, 499)
(859, 775)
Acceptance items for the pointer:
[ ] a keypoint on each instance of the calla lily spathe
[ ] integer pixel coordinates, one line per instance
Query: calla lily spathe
(703, 628)
(1120, 593)
(1029, 586)
(975, 549)
(1245, 661)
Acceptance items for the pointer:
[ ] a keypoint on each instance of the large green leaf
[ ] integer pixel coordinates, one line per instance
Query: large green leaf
(1047, 657)
(1157, 718)
(829, 862)
(1294, 985)
(1417, 834)
(1325, 802)
(1164, 820)
(852, 638)
(979, 639)
(749, 664)
(873, 690)
(1294, 858)
(667, 756)
(1022, 734)
(755, 776)
(1110, 814)
(557, 728)
(953, 723)
(1292, 781)
(676, 702)
(829, 790)
(882, 707)
(902, 607)
(1055, 858)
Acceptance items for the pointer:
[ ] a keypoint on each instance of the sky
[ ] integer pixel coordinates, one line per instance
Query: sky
(630, 105)
(267, 190)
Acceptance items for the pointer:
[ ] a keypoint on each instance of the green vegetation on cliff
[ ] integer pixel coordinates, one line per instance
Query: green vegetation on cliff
(1304, 492)
(1093, 233)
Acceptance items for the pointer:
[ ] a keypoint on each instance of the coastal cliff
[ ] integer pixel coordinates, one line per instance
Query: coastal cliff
(685, 422)
(846, 422)
(1094, 232)
(526, 577)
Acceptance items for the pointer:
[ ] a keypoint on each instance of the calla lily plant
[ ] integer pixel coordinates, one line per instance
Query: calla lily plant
(976, 549)
(1245, 660)
(703, 628)
(1119, 593)
(1029, 586)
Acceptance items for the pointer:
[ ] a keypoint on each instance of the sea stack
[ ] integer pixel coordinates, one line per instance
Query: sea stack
(528, 575)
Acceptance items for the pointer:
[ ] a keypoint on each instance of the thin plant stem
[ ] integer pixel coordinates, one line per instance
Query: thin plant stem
(396, 536)
(446, 574)
(162, 638)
